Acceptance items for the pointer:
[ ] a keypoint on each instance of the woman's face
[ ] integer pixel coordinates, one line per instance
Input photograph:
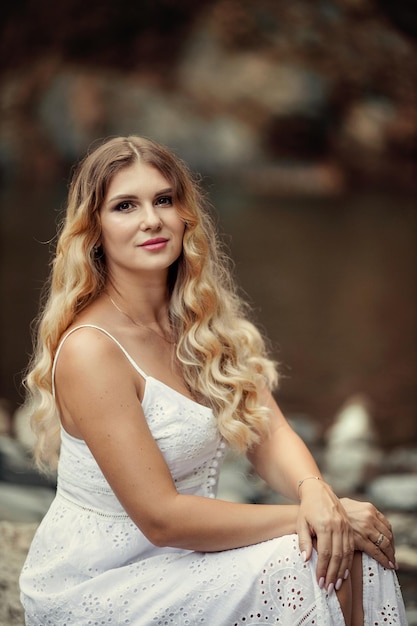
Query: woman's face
(141, 230)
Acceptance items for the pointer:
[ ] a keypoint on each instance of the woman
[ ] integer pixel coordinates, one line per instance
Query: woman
(146, 370)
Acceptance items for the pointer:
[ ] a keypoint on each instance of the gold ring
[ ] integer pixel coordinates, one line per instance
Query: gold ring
(379, 540)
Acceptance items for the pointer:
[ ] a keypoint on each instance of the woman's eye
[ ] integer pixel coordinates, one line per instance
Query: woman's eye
(123, 206)
(164, 201)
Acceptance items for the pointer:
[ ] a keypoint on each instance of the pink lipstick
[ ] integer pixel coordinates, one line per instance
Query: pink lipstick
(154, 244)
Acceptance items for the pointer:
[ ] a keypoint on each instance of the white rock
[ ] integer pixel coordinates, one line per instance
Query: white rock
(397, 491)
(351, 457)
(353, 423)
(19, 503)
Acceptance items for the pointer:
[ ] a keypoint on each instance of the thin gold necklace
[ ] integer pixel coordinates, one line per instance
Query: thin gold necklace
(171, 343)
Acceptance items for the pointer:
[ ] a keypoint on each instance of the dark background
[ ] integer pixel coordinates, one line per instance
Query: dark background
(301, 117)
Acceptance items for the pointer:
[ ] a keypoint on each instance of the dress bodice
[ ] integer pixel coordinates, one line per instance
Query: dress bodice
(185, 431)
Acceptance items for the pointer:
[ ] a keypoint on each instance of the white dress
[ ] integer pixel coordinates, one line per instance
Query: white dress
(89, 565)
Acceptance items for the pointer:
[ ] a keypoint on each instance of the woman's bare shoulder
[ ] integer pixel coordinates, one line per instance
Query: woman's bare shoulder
(85, 346)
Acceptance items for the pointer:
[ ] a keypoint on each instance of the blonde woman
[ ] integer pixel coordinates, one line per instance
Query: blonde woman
(146, 369)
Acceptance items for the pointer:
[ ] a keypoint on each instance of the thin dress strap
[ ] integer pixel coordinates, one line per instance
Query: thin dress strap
(127, 355)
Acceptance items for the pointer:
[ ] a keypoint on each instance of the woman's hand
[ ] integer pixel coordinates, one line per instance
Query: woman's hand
(372, 531)
(321, 516)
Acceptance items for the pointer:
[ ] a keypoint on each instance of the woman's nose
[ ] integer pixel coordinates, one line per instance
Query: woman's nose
(150, 219)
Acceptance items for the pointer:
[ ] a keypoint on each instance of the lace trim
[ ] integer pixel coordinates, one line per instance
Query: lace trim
(307, 616)
(81, 507)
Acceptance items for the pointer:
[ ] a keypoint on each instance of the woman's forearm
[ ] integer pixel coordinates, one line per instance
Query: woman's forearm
(283, 460)
(210, 525)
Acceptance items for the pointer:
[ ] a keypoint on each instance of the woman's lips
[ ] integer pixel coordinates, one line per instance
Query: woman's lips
(154, 244)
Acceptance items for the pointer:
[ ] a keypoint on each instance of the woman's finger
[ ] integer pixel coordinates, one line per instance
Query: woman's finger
(335, 561)
(385, 528)
(325, 553)
(341, 559)
(383, 550)
(347, 560)
(305, 541)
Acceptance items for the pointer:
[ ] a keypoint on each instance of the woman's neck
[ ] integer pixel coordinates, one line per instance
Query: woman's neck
(148, 304)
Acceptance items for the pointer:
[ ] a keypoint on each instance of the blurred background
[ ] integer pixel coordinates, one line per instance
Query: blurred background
(301, 118)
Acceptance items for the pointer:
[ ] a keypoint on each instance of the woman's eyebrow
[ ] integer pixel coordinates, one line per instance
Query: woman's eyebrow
(123, 196)
(164, 191)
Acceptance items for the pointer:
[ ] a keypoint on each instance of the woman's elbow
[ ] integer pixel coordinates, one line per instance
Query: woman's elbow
(161, 530)
(160, 537)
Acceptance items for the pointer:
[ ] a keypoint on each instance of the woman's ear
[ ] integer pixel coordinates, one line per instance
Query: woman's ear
(97, 250)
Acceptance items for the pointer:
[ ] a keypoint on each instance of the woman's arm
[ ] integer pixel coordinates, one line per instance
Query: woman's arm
(98, 394)
(283, 460)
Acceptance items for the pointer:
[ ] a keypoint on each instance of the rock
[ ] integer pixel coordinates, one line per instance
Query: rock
(352, 455)
(15, 540)
(404, 527)
(16, 465)
(412, 616)
(407, 557)
(235, 484)
(21, 503)
(401, 460)
(398, 492)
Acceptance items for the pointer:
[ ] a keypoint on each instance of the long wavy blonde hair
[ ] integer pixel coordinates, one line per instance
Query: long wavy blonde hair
(223, 355)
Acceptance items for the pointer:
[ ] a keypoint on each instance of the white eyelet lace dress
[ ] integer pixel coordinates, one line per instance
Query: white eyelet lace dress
(89, 565)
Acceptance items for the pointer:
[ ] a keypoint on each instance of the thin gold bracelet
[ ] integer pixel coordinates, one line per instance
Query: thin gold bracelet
(300, 482)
